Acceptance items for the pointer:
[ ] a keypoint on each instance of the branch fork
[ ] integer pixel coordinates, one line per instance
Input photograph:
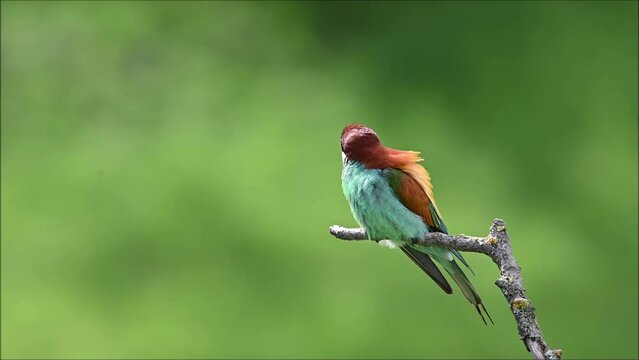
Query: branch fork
(496, 246)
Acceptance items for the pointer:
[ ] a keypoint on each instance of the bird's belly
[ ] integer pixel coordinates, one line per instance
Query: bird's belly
(376, 207)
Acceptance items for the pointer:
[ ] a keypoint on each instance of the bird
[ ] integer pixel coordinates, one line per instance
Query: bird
(391, 197)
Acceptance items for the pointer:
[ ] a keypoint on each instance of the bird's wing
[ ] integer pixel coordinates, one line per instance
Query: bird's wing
(405, 188)
(414, 194)
(411, 183)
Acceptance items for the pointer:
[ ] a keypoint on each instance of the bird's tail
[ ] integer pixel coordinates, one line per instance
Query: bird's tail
(466, 286)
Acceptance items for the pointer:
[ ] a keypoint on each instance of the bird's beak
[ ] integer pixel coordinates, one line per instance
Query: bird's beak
(343, 158)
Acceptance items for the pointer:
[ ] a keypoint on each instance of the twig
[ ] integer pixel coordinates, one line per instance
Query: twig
(497, 246)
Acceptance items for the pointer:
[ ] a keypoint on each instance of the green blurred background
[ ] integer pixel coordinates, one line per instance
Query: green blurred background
(170, 170)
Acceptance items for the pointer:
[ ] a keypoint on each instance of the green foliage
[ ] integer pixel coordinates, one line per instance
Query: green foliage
(169, 172)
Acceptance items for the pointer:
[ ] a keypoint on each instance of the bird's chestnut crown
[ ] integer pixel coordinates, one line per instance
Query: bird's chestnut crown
(357, 136)
(358, 139)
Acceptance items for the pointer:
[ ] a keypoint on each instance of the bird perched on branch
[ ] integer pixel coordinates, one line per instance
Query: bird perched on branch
(391, 197)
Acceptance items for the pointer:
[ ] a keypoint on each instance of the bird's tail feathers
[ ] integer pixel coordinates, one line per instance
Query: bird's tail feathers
(466, 287)
(428, 266)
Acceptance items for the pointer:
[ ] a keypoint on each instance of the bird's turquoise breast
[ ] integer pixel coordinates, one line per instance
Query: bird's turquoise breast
(376, 207)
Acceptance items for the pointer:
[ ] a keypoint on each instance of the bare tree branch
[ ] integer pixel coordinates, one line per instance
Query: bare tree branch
(497, 246)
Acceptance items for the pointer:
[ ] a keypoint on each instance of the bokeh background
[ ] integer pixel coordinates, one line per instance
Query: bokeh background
(170, 170)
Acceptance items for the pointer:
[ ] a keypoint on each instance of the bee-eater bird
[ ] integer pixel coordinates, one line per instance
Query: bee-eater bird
(391, 197)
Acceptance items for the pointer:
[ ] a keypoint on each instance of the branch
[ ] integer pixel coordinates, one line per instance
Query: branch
(497, 246)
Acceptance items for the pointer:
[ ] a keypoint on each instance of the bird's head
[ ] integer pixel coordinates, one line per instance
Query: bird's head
(359, 142)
